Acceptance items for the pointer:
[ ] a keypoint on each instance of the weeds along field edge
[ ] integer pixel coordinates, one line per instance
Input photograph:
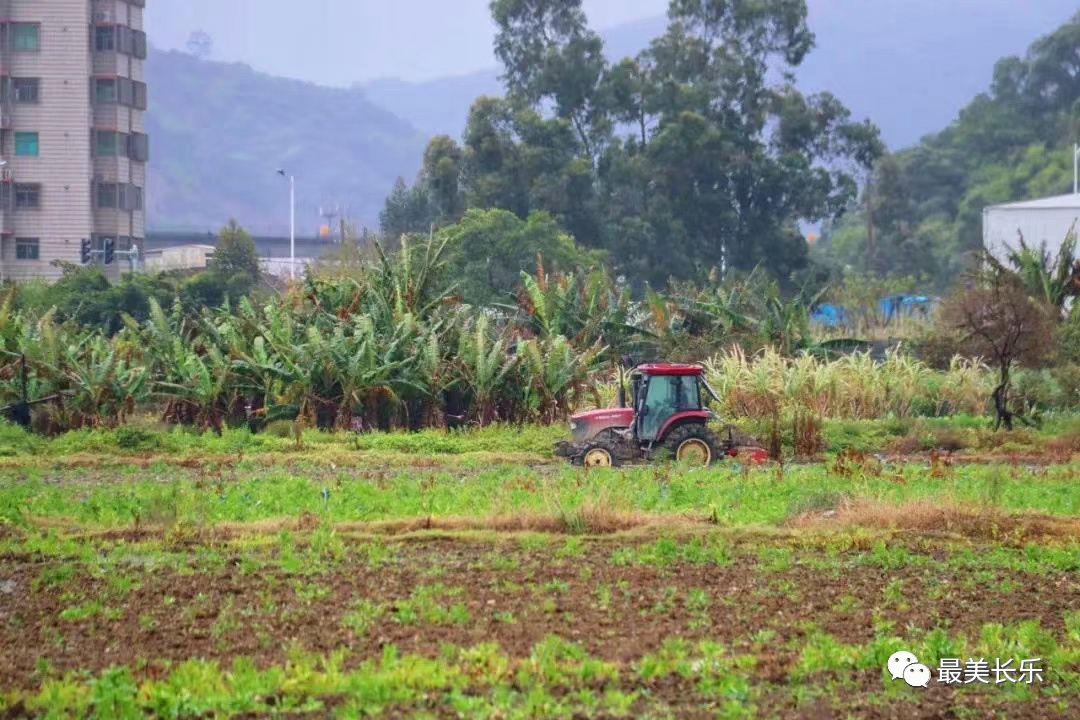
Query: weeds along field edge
(520, 497)
(1056, 437)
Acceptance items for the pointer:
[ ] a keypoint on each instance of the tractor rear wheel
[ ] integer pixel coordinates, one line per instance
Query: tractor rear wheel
(599, 453)
(693, 444)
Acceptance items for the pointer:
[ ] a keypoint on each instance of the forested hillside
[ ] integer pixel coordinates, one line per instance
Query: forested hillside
(220, 131)
(1010, 143)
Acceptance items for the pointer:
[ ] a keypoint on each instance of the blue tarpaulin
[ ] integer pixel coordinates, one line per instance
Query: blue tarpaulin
(830, 316)
(893, 306)
(890, 308)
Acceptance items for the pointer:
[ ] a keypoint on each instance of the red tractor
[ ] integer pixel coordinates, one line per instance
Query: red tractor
(667, 416)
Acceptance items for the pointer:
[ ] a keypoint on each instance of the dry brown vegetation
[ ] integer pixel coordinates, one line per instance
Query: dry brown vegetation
(926, 517)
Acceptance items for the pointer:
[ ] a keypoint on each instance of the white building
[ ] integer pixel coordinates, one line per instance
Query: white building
(179, 257)
(73, 142)
(1047, 220)
(283, 267)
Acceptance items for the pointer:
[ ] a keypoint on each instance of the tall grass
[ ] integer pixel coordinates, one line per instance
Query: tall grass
(853, 387)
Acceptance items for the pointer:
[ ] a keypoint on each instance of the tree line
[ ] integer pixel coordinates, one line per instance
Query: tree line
(685, 162)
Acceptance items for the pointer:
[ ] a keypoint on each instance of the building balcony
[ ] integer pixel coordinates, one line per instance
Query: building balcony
(110, 63)
(110, 116)
(119, 223)
(112, 170)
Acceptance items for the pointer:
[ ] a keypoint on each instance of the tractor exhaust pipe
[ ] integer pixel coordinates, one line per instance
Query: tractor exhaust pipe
(627, 363)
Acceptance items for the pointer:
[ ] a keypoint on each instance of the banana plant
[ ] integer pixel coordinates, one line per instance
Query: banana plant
(484, 366)
(556, 377)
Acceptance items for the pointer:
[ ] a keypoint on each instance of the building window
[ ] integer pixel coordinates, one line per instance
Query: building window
(104, 90)
(140, 96)
(27, 249)
(25, 90)
(105, 39)
(27, 196)
(26, 143)
(24, 36)
(122, 196)
(138, 147)
(106, 144)
(121, 90)
(122, 39)
(106, 195)
(138, 49)
(130, 198)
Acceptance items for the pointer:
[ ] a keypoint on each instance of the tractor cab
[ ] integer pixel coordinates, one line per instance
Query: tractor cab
(663, 393)
(665, 413)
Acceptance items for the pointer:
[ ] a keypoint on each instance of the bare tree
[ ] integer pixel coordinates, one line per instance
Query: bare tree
(997, 319)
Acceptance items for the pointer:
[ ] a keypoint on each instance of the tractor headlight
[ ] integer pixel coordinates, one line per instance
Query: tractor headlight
(573, 425)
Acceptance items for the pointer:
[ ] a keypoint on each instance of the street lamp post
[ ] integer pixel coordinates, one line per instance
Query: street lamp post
(1076, 168)
(292, 223)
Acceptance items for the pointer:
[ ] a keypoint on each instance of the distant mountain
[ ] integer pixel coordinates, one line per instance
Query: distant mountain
(908, 65)
(219, 132)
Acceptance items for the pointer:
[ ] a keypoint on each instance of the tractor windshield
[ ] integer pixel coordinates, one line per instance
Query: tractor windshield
(665, 396)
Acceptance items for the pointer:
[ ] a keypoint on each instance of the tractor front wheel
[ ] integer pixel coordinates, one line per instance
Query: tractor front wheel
(693, 444)
(597, 454)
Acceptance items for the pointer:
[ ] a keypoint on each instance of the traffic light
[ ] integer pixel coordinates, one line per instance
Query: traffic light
(84, 251)
(108, 251)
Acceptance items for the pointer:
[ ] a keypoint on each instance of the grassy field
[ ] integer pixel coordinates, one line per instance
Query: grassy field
(168, 574)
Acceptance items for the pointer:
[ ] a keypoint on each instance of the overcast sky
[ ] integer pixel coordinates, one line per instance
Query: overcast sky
(339, 42)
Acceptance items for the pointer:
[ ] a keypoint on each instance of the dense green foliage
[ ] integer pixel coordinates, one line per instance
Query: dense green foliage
(388, 343)
(1011, 143)
(681, 162)
(389, 346)
(525, 261)
(685, 160)
(86, 298)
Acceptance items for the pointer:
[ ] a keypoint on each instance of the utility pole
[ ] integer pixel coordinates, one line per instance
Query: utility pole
(292, 226)
(1076, 168)
(870, 222)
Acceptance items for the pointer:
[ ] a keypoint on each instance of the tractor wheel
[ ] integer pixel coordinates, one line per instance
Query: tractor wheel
(598, 454)
(693, 444)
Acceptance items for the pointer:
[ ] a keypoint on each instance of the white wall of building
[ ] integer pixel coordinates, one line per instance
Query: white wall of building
(183, 257)
(282, 267)
(1040, 221)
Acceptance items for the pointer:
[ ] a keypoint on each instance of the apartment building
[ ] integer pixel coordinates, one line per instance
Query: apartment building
(73, 145)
